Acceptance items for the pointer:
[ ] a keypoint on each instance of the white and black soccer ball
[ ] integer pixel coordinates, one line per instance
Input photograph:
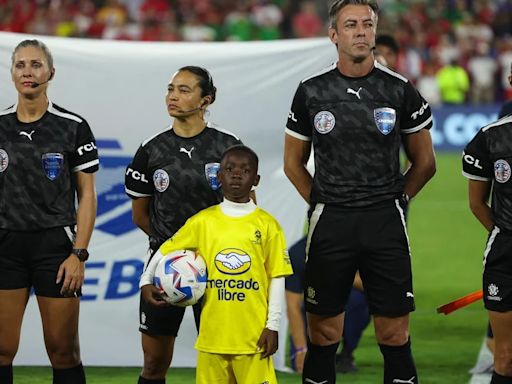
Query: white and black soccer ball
(181, 277)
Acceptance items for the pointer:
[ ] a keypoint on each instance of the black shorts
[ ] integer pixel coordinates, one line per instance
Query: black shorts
(164, 321)
(497, 278)
(32, 259)
(372, 240)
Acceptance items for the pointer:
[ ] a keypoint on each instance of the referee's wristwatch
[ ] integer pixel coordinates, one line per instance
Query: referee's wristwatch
(81, 253)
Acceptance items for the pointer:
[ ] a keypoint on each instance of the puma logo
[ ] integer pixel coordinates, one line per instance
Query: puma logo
(29, 135)
(351, 91)
(410, 381)
(188, 152)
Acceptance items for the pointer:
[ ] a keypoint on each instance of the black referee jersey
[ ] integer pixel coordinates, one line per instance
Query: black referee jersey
(355, 125)
(37, 165)
(488, 157)
(180, 174)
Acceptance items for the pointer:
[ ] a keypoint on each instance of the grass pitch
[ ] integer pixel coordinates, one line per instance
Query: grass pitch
(447, 245)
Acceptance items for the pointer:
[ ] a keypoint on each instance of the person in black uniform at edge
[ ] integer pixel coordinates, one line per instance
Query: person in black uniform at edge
(48, 156)
(356, 113)
(506, 109)
(172, 177)
(486, 162)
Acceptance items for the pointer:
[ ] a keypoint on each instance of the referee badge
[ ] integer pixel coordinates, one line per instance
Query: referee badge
(4, 160)
(324, 122)
(385, 119)
(211, 170)
(501, 171)
(161, 180)
(52, 164)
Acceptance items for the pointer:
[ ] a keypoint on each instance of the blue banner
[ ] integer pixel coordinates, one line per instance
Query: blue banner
(455, 126)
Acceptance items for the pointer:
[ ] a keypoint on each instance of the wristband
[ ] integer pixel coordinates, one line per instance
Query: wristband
(299, 351)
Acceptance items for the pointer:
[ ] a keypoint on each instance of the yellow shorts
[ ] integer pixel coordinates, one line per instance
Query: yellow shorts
(214, 368)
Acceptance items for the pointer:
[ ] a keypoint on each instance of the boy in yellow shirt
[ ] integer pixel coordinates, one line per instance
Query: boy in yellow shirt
(246, 256)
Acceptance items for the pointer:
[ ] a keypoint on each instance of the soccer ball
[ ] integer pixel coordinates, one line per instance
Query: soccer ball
(181, 277)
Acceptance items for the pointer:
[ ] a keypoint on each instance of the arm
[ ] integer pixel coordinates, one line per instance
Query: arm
(419, 150)
(140, 213)
(296, 155)
(297, 327)
(71, 269)
(268, 341)
(149, 292)
(479, 192)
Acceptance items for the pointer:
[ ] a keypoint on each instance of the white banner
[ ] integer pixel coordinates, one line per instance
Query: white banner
(119, 88)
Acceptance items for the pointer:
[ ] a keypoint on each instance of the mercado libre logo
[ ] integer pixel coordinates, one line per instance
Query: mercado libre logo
(114, 206)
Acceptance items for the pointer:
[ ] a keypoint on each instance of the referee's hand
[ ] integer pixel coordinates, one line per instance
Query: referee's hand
(152, 295)
(71, 273)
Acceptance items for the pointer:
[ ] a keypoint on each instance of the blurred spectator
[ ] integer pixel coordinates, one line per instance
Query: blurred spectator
(504, 59)
(266, 17)
(387, 47)
(307, 22)
(453, 82)
(154, 10)
(112, 14)
(428, 87)
(237, 25)
(482, 68)
(39, 24)
(194, 30)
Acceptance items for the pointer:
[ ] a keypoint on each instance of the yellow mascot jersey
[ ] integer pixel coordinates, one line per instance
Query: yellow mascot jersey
(242, 254)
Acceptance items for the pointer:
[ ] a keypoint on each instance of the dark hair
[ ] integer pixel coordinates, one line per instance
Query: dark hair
(242, 148)
(337, 5)
(205, 80)
(34, 43)
(388, 41)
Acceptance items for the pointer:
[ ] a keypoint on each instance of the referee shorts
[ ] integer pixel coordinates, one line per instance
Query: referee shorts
(497, 278)
(370, 239)
(164, 321)
(32, 259)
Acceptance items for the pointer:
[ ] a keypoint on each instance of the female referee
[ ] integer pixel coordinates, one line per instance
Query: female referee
(47, 157)
(487, 162)
(173, 176)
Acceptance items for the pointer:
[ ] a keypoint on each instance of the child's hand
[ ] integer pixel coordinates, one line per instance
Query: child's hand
(151, 294)
(268, 342)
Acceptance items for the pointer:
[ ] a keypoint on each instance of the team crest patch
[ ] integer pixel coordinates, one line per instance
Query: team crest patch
(4, 160)
(501, 171)
(324, 122)
(161, 180)
(210, 171)
(52, 164)
(385, 119)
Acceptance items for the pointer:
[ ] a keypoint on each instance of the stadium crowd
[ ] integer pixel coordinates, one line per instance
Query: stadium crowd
(470, 39)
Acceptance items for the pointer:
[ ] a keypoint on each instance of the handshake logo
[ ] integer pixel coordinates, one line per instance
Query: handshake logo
(232, 261)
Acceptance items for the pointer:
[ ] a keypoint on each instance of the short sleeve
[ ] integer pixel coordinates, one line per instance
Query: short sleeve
(298, 124)
(185, 238)
(85, 157)
(416, 113)
(476, 163)
(137, 177)
(278, 262)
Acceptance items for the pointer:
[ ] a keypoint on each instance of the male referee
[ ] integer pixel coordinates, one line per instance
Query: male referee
(357, 113)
